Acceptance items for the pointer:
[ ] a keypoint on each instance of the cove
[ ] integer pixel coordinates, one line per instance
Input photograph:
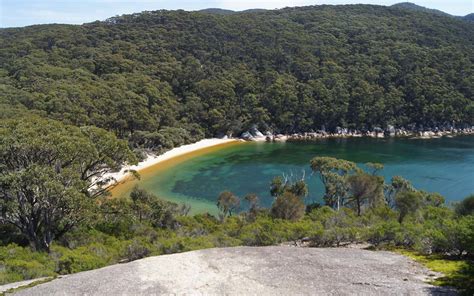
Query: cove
(444, 165)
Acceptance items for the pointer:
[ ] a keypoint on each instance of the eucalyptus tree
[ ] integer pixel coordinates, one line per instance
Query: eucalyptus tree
(397, 184)
(374, 167)
(365, 189)
(466, 206)
(51, 174)
(285, 183)
(408, 202)
(333, 173)
(227, 203)
(288, 206)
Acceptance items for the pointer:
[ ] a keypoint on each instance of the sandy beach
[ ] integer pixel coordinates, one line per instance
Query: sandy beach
(153, 160)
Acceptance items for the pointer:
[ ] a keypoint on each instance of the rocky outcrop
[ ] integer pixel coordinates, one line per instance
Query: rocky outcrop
(255, 135)
(390, 131)
(253, 271)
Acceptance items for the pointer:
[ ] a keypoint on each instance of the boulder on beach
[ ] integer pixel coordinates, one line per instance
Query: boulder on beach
(256, 133)
(247, 136)
(390, 130)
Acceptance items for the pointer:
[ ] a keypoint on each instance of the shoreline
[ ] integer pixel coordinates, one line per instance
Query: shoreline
(121, 177)
(154, 159)
(122, 181)
(308, 136)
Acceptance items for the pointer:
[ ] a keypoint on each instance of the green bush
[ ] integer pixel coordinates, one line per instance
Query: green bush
(80, 259)
(19, 263)
(383, 233)
(137, 249)
(466, 207)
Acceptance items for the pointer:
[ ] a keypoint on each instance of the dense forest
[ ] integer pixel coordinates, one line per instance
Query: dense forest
(162, 78)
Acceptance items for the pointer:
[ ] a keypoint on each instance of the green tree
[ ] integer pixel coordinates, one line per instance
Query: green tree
(142, 200)
(42, 204)
(277, 186)
(466, 206)
(299, 188)
(280, 185)
(252, 200)
(333, 173)
(227, 203)
(374, 167)
(397, 184)
(47, 177)
(288, 206)
(365, 188)
(434, 199)
(407, 202)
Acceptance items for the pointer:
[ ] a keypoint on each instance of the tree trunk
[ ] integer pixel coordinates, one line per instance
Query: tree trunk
(358, 206)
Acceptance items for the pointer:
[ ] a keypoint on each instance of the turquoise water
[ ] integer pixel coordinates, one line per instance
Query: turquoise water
(443, 165)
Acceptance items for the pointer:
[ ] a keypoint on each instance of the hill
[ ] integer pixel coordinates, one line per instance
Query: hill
(217, 11)
(413, 6)
(163, 78)
(469, 17)
(247, 270)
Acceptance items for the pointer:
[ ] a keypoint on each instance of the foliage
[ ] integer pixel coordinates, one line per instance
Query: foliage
(227, 202)
(365, 189)
(164, 78)
(333, 173)
(458, 273)
(407, 203)
(280, 185)
(466, 207)
(49, 173)
(375, 167)
(119, 235)
(288, 206)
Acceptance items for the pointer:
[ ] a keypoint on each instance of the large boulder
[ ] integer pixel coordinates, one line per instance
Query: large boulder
(256, 133)
(390, 130)
(247, 136)
(254, 271)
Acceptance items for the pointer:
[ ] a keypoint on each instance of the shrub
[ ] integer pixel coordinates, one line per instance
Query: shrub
(80, 259)
(407, 202)
(383, 233)
(19, 263)
(137, 249)
(466, 207)
(288, 206)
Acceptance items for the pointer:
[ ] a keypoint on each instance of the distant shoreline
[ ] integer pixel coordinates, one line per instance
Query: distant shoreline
(122, 176)
(344, 133)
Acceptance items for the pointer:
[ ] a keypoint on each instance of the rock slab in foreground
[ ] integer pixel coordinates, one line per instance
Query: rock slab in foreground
(247, 270)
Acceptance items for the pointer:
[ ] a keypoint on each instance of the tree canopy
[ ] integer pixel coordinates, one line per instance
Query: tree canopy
(50, 172)
(163, 78)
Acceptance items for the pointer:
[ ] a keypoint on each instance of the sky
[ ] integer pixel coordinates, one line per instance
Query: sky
(18, 13)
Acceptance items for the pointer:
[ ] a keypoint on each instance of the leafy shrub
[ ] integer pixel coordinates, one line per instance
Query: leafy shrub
(80, 259)
(136, 250)
(288, 206)
(382, 233)
(466, 207)
(19, 263)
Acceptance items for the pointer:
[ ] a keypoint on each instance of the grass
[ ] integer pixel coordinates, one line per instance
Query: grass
(30, 285)
(457, 273)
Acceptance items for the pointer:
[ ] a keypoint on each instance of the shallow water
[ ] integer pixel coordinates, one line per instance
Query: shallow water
(443, 165)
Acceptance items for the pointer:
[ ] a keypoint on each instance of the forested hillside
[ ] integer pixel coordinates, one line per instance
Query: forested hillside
(167, 77)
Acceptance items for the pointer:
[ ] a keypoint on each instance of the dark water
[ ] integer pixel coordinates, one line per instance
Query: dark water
(443, 165)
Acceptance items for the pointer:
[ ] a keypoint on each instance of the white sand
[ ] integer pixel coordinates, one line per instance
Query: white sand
(153, 159)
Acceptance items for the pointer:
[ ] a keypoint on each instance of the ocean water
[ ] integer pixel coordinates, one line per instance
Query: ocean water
(444, 165)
